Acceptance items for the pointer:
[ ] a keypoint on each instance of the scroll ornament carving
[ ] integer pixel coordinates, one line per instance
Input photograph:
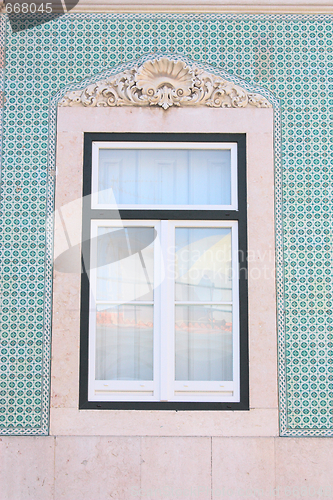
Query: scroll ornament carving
(164, 82)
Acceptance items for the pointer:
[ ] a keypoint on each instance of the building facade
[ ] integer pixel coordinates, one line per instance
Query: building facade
(79, 74)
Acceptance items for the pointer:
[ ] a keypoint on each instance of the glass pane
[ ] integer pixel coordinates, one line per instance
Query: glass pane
(165, 177)
(124, 342)
(203, 343)
(125, 263)
(203, 264)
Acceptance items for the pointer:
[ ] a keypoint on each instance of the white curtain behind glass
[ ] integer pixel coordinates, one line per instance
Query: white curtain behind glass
(124, 332)
(165, 177)
(124, 342)
(203, 329)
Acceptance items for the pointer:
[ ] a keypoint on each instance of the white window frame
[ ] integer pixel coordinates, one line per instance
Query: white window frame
(164, 387)
(119, 390)
(97, 145)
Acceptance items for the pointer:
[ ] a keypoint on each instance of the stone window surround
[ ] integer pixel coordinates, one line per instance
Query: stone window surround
(262, 419)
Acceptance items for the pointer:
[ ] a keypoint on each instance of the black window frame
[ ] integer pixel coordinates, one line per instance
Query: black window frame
(239, 215)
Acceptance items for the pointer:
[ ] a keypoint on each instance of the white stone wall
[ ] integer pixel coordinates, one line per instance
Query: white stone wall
(165, 468)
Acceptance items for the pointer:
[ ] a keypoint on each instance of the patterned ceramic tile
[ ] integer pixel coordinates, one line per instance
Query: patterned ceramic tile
(289, 56)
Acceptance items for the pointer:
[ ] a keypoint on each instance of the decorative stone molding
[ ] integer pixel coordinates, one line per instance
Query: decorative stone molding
(164, 82)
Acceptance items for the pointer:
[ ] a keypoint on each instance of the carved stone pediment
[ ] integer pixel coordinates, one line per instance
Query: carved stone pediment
(164, 82)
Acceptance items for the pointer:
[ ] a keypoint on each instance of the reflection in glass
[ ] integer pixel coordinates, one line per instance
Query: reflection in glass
(165, 177)
(203, 343)
(124, 342)
(125, 263)
(203, 264)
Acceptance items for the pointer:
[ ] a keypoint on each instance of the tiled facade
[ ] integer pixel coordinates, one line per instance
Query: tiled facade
(289, 58)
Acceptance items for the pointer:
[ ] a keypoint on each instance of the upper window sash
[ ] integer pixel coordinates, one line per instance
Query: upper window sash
(172, 175)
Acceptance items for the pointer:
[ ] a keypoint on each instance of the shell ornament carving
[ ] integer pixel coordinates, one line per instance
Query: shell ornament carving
(165, 83)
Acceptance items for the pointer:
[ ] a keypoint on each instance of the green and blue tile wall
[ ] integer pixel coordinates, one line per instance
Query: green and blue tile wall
(287, 56)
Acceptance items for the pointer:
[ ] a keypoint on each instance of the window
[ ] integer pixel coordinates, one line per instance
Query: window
(164, 298)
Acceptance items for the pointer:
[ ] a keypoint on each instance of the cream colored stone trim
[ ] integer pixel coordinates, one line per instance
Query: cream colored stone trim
(165, 83)
(198, 6)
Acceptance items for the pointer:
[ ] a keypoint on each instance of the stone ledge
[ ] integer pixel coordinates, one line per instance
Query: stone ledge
(208, 6)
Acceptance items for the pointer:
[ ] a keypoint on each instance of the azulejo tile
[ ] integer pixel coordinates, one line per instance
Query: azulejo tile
(288, 56)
